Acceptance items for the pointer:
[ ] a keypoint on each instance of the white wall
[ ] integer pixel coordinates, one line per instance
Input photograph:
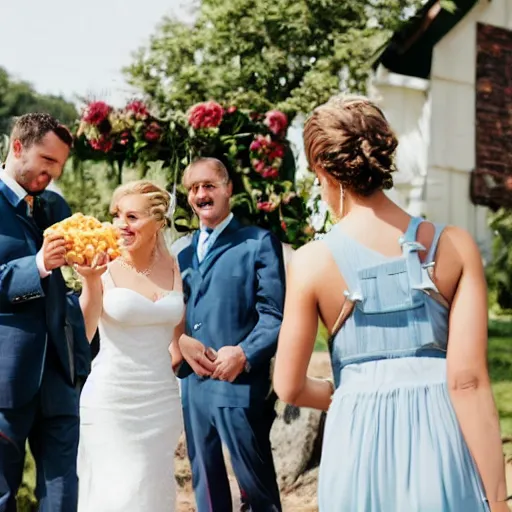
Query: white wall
(435, 122)
(451, 154)
(406, 104)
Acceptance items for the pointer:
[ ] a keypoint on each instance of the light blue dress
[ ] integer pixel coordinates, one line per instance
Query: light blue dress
(392, 442)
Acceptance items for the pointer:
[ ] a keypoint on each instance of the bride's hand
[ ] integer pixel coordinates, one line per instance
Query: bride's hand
(195, 353)
(98, 267)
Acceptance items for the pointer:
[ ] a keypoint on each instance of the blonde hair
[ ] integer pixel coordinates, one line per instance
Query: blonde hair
(214, 163)
(350, 138)
(158, 199)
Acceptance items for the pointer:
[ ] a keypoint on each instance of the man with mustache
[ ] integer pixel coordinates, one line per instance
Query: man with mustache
(233, 277)
(38, 399)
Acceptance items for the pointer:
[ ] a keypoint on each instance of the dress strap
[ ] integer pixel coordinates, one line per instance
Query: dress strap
(439, 228)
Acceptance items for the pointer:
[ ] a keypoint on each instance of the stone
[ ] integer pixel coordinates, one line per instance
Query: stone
(296, 438)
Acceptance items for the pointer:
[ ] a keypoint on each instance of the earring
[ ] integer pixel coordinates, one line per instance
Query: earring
(342, 203)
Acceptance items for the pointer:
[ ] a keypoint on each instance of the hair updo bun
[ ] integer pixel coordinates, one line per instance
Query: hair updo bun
(351, 140)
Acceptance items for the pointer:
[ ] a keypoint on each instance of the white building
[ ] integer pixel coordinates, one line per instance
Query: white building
(445, 84)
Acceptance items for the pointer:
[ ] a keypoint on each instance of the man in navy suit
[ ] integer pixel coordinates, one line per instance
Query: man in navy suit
(38, 400)
(233, 279)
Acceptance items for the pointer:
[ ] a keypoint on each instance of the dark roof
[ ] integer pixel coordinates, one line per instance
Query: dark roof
(409, 52)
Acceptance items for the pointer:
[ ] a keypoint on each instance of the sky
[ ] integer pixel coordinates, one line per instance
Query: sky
(78, 48)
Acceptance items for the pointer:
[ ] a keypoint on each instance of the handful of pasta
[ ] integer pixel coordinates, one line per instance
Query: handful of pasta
(86, 239)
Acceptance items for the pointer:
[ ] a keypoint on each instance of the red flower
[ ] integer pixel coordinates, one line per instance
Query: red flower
(283, 225)
(138, 108)
(205, 115)
(153, 132)
(255, 144)
(270, 173)
(124, 138)
(266, 206)
(258, 165)
(96, 112)
(277, 122)
(102, 144)
(276, 152)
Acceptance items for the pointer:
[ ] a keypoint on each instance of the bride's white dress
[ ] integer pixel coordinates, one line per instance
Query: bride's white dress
(130, 409)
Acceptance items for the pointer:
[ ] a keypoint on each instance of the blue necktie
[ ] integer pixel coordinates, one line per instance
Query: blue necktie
(202, 247)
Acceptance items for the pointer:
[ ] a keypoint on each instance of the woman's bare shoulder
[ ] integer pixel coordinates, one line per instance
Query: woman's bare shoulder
(311, 259)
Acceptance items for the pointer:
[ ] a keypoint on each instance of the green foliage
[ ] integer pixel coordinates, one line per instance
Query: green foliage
(252, 145)
(499, 271)
(18, 97)
(287, 54)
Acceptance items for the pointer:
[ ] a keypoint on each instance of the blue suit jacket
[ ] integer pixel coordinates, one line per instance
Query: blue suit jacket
(235, 296)
(58, 209)
(32, 310)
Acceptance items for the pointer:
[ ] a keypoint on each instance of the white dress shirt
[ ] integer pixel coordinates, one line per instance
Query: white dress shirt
(206, 240)
(22, 193)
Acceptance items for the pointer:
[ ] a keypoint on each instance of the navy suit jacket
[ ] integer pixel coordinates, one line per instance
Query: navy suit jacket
(32, 310)
(76, 338)
(235, 296)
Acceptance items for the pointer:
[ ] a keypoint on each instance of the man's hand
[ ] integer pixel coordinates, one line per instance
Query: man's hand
(54, 251)
(230, 363)
(194, 352)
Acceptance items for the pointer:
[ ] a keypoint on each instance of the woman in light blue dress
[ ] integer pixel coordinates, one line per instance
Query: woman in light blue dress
(411, 425)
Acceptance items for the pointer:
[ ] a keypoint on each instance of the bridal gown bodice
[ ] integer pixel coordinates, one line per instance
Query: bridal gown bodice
(130, 407)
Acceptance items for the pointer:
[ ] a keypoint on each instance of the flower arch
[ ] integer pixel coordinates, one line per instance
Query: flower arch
(252, 145)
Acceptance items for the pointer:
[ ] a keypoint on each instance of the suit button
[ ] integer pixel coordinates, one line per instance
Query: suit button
(196, 326)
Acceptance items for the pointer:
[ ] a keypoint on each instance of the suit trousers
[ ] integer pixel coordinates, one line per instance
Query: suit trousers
(49, 421)
(246, 434)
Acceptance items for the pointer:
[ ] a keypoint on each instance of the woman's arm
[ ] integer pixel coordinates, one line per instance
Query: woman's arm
(91, 298)
(468, 378)
(174, 347)
(297, 338)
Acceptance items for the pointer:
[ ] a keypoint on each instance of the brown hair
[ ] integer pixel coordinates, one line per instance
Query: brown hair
(30, 129)
(214, 163)
(158, 198)
(350, 138)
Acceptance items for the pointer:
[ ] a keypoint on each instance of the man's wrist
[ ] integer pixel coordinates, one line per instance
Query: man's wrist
(40, 265)
(247, 365)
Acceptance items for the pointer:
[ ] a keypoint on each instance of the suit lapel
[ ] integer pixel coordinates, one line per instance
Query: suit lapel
(219, 246)
(20, 209)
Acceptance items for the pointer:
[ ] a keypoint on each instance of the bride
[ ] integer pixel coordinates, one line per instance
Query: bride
(130, 410)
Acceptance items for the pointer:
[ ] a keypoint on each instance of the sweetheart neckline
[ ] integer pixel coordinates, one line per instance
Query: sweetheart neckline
(143, 296)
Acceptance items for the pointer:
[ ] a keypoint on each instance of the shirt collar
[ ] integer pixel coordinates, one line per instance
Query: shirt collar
(221, 226)
(13, 185)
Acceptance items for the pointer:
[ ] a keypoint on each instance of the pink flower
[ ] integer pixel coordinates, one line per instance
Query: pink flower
(266, 206)
(138, 108)
(96, 112)
(153, 132)
(276, 152)
(124, 138)
(277, 122)
(231, 110)
(270, 173)
(258, 165)
(205, 115)
(255, 145)
(102, 144)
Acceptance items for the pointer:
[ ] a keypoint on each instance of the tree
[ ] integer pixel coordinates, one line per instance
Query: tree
(287, 54)
(18, 98)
